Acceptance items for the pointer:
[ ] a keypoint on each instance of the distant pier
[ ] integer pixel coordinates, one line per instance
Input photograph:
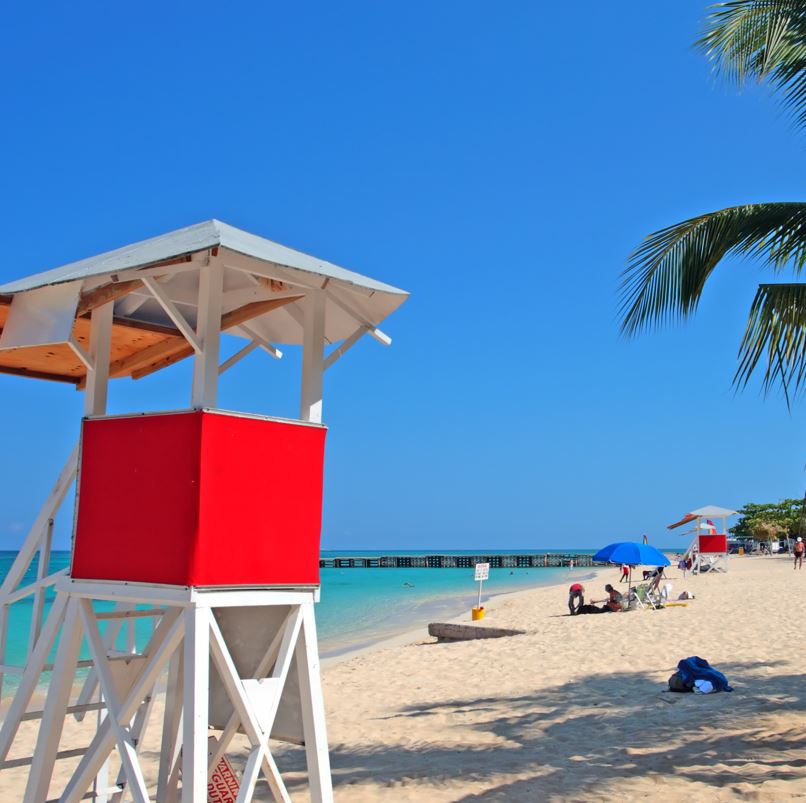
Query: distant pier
(455, 561)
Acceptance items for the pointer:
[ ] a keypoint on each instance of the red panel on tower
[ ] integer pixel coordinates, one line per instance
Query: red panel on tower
(714, 544)
(199, 498)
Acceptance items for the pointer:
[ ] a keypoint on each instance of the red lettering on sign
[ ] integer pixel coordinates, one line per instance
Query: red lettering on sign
(224, 785)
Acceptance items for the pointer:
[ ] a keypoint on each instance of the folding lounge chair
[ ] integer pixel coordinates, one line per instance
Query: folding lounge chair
(644, 597)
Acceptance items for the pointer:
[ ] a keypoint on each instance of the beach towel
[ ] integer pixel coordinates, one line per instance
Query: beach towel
(695, 668)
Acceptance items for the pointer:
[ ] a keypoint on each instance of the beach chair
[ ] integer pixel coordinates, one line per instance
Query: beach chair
(643, 597)
(637, 598)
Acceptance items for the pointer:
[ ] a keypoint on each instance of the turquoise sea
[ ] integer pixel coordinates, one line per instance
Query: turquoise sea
(358, 606)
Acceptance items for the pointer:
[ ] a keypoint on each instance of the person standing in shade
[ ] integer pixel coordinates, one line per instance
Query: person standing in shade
(800, 547)
(625, 573)
(576, 598)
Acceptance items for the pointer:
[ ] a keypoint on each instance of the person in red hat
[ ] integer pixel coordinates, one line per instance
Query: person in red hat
(576, 598)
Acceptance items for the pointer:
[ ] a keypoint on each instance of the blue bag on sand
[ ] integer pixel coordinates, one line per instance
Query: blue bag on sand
(695, 668)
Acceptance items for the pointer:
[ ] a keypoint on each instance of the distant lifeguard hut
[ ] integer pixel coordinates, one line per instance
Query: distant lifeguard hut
(708, 550)
(204, 522)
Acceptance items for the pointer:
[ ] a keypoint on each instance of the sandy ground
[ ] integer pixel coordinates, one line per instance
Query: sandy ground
(574, 709)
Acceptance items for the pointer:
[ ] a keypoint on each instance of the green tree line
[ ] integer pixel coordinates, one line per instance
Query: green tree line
(765, 522)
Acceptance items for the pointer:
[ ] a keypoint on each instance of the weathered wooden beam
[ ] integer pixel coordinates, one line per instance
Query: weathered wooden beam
(177, 354)
(112, 290)
(73, 380)
(115, 289)
(146, 356)
(104, 294)
(182, 350)
(147, 326)
(253, 310)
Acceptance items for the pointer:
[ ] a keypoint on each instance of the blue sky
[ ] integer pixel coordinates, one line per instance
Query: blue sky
(499, 161)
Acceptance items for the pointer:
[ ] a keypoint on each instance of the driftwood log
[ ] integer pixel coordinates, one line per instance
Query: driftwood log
(444, 631)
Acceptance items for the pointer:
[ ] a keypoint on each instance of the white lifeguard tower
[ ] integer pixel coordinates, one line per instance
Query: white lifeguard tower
(204, 522)
(708, 551)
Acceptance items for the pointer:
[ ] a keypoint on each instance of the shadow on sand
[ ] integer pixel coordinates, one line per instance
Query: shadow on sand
(586, 737)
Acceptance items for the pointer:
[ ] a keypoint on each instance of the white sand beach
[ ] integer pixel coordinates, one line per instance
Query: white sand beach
(575, 709)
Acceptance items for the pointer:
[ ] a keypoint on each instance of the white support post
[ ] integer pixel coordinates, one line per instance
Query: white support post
(95, 398)
(313, 710)
(50, 729)
(171, 723)
(238, 356)
(110, 637)
(138, 730)
(31, 677)
(47, 511)
(347, 307)
(101, 783)
(313, 347)
(195, 717)
(100, 347)
(39, 595)
(79, 351)
(172, 312)
(269, 348)
(3, 642)
(166, 639)
(341, 350)
(123, 732)
(31, 544)
(208, 334)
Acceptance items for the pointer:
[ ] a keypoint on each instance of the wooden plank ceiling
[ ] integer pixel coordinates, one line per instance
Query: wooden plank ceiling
(138, 348)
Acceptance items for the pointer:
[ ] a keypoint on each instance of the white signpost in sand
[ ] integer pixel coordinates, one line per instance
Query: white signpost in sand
(482, 574)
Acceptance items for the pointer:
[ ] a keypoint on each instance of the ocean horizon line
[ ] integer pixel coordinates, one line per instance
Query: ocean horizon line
(441, 551)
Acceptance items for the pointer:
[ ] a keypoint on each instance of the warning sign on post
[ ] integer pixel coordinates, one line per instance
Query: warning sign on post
(482, 571)
(224, 784)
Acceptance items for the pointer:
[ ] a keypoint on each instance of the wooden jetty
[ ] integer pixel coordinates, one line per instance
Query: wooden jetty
(526, 561)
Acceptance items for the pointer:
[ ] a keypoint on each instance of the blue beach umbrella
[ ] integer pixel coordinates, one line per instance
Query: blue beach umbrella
(632, 553)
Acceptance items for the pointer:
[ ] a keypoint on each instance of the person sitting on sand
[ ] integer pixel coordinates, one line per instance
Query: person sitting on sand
(614, 599)
(612, 604)
(576, 598)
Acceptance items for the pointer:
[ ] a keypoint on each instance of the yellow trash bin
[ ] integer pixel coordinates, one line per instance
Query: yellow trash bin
(477, 613)
(741, 550)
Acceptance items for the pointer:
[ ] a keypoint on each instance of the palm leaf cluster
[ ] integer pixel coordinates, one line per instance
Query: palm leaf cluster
(776, 334)
(761, 40)
(666, 275)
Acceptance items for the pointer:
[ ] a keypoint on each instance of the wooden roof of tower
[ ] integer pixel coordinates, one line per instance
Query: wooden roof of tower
(264, 283)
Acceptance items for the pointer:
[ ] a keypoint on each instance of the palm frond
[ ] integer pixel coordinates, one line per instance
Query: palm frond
(666, 275)
(775, 337)
(761, 39)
